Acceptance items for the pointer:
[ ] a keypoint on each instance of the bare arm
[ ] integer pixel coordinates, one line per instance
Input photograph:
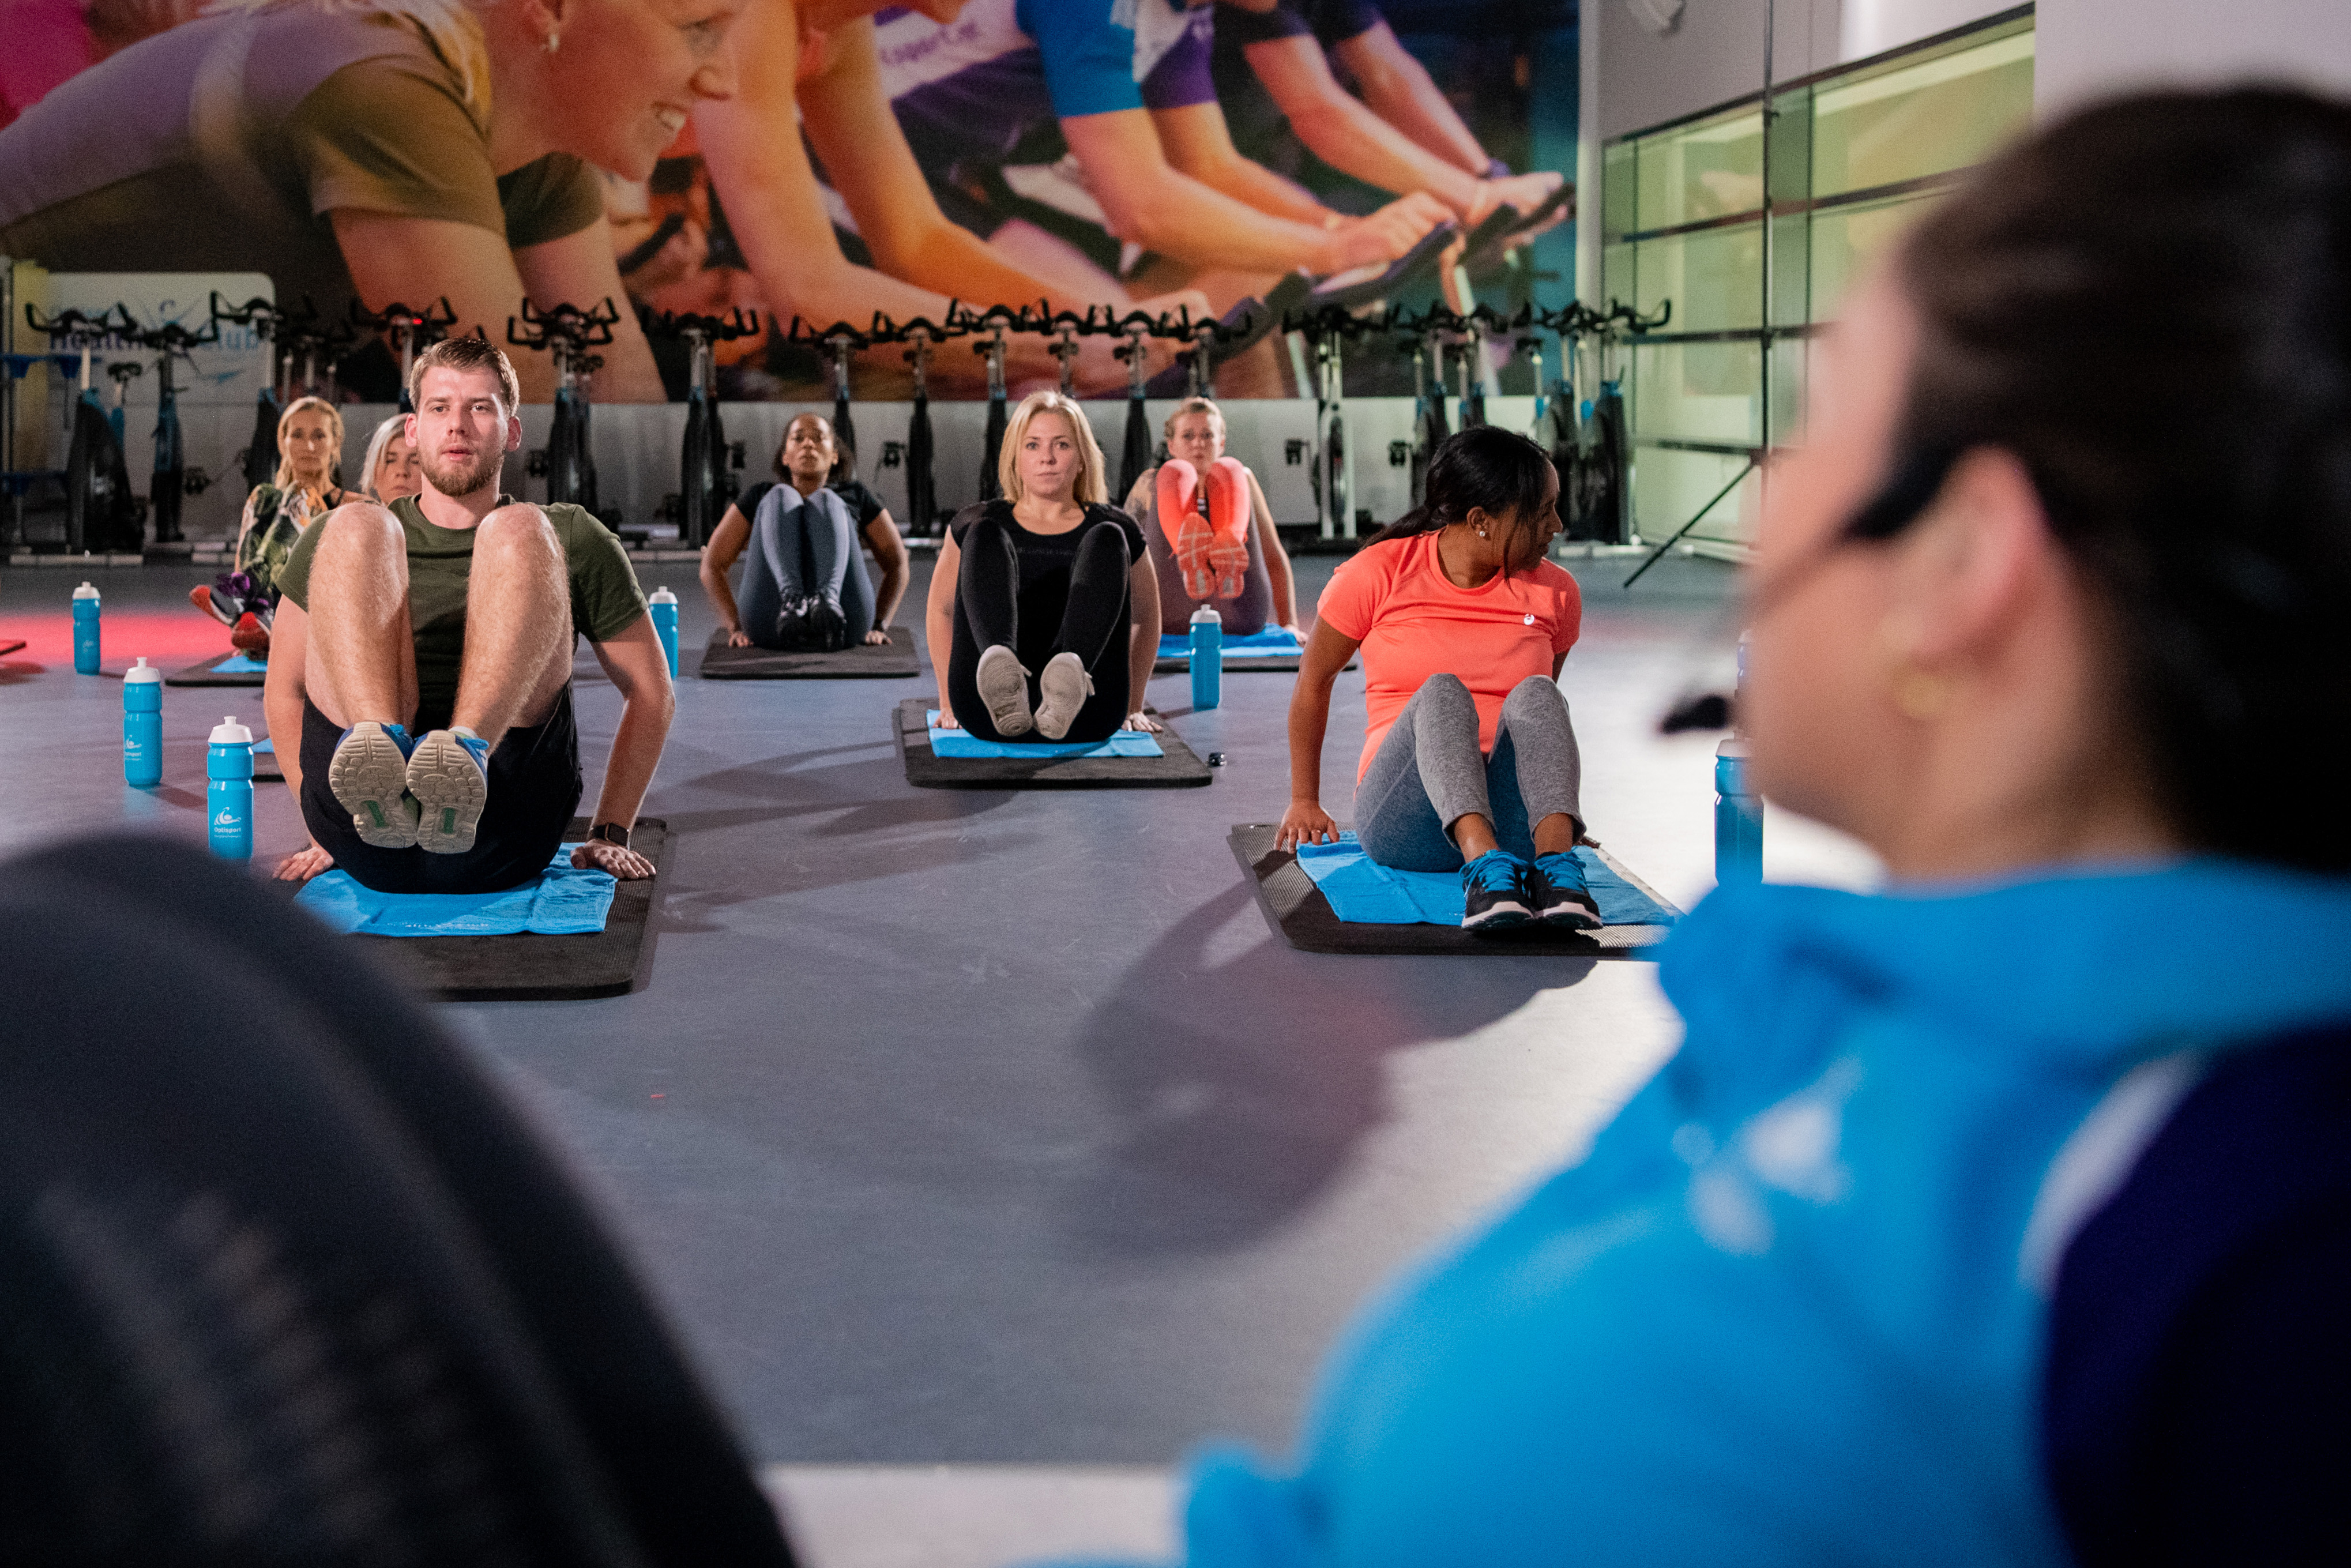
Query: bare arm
(283, 694)
(1141, 640)
(392, 257)
(776, 207)
(1306, 821)
(639, 668)
(1159, 207)
(1277, 559)
(718, 558)
(890, 555)
(938, 621)
(1400, 90)
(1340, 129)
(1198, 144)
(584, 269)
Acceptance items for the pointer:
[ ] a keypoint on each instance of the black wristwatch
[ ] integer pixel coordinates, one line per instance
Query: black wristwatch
(610, 832)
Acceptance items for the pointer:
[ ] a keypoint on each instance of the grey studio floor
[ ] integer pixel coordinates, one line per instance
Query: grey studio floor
(989, 1148)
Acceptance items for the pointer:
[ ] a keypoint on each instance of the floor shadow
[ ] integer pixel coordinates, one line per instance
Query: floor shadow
(1243, 1087)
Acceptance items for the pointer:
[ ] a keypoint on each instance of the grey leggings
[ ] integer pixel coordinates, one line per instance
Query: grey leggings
(1428, 774)
(803, 545)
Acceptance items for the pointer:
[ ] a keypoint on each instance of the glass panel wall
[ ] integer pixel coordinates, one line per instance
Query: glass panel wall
(1688, 216)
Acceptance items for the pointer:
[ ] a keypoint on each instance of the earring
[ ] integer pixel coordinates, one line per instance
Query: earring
(1920, 696)
(554, 40)
(1482, 534)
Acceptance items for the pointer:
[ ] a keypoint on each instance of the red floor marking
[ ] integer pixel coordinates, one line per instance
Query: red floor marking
(168, 639)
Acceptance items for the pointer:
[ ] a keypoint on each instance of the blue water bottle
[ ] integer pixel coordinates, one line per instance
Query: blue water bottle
(85, 612)
(1208, 658)
(1738, 817)
(662, 607)
(228, 796)
(142, 725)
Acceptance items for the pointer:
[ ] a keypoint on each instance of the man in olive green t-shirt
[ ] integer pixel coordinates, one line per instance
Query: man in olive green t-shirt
(451, 616)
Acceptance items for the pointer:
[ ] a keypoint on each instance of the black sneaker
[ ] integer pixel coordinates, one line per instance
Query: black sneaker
(792, 628)
(828, 628)
(1556, 895)
(1493, 892)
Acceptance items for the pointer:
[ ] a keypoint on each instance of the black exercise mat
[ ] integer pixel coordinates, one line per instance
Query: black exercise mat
(265, 768)
(895, 659)
(528, 967)
(1296, 908)
(1180, 769)
(208, 673)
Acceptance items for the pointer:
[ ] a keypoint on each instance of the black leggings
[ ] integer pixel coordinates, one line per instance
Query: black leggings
(1040, 613)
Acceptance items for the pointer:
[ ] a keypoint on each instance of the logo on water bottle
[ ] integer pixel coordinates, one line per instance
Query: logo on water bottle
(227, 819)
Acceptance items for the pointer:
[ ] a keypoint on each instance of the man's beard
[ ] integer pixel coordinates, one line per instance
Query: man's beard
(467, 480)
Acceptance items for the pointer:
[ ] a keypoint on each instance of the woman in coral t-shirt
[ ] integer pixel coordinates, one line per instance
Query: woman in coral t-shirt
(1469, 759)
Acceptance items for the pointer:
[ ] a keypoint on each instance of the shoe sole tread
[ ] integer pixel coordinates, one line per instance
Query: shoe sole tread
(450, 793)
(368, 776)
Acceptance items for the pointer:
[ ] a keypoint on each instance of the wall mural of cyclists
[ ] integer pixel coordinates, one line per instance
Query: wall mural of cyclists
(807, 160)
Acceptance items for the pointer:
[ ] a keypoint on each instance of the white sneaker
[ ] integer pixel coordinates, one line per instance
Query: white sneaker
(450, 776)
(369, 778)
(1003, 684)
(1061, 690)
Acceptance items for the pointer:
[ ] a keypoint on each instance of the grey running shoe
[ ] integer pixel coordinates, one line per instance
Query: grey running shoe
(1003, 686)
(369, 776)
(1062, 688)
(450, 777)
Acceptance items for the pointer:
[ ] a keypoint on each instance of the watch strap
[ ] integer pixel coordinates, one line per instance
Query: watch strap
(610, 832)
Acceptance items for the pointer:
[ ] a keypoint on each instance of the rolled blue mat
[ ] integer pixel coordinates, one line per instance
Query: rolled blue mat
(963, 743)
(1364, 893)
(563, 902)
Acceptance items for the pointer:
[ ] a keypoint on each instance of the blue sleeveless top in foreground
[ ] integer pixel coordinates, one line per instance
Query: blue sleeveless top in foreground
(1793, 1307)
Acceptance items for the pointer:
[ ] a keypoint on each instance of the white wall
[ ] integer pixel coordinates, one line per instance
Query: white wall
(2087, 48)
(1872, 26)
(1714, 55)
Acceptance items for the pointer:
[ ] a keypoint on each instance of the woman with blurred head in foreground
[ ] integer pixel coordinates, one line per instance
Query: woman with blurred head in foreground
(2003, 1216)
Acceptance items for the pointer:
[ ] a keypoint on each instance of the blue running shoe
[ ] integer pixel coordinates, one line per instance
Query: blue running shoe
(1493, 892)
(1557, 895)
(450, 777)
(369, 776)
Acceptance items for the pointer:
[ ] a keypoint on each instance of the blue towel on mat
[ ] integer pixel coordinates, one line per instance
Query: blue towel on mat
(265, 744)
(241, 665)
(563, 902)
(963, 743)
(1258, 644)
(1364, 892)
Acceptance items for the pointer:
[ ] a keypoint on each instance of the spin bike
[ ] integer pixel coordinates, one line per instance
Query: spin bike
(172, 480)
(259, 458)
(101, 513)
(565, 332)
(410, 330)
(706, 482)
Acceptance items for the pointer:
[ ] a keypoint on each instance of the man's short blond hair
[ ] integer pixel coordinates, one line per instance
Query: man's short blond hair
(465, 355)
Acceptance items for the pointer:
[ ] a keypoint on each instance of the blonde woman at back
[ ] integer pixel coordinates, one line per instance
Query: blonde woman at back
(1044, 611)
(309, 453)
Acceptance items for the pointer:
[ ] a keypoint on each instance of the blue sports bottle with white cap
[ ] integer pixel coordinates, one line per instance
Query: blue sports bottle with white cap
(84, 617)
(228, 794)
(1208, 658)
(142, 725)
(663, 608)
